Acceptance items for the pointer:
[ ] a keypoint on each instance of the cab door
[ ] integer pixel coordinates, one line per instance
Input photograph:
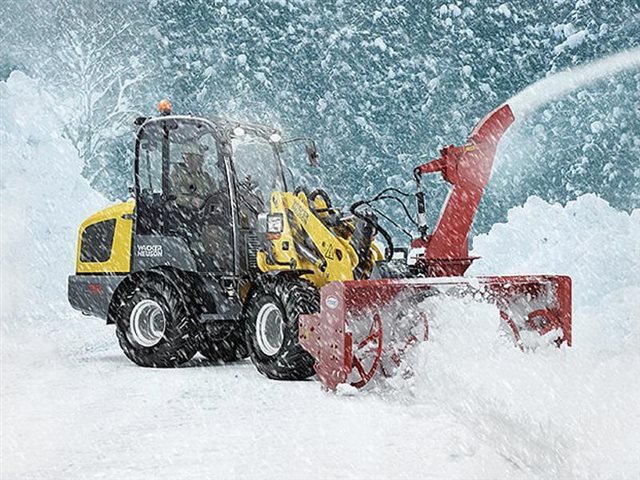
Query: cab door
(182, 206)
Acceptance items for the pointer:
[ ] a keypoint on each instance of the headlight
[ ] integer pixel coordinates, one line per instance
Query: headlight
(275, 138)
(274, 223)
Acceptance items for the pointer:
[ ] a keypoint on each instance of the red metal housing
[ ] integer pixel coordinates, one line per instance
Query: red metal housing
(347, 338)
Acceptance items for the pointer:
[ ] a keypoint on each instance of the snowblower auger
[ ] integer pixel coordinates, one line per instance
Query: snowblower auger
(363, 327)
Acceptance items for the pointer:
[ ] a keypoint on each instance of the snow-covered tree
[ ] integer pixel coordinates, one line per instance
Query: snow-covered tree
(90, 54)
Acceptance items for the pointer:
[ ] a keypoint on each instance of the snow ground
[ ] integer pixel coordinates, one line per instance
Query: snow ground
(72, 406)
(75, 407)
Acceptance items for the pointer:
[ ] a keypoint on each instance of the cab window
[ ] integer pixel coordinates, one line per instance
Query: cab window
(195, 171)
(150, 161)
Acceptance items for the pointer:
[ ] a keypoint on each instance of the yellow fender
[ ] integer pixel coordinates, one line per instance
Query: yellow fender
(119, 260)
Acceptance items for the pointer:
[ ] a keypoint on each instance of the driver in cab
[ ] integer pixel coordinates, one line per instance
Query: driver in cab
(192, 188)
(190, 184)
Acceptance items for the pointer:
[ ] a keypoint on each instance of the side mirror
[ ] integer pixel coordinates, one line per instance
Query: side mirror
(131, 190)
(312, 153)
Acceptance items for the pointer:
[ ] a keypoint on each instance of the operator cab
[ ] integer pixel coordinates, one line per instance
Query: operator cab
(182, 192)
(201, 186)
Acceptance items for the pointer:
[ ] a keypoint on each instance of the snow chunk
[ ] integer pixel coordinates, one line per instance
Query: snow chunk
(322, 105)
(572, 41)
(466, 70)
(486, 88)
(597, 127)
(261, 77)
(346, 390)
(455, 10)
(379, 43)
(504, 10)
(241, 60)
(568, 29)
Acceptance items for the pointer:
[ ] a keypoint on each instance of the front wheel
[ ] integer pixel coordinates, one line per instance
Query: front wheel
(153, 324)
(272, 327)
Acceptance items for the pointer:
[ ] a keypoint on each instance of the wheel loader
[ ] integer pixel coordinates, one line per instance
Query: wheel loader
(224, 251)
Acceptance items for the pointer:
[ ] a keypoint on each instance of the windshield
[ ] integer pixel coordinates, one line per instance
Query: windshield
(256, 167)
(297, 170)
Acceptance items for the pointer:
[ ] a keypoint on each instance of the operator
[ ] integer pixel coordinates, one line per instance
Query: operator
(190, 184)
(207, 233)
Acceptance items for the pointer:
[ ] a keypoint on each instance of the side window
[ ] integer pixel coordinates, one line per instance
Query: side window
(150, 170)
(97, 241)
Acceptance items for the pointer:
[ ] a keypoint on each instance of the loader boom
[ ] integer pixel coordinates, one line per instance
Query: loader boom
(322, 252)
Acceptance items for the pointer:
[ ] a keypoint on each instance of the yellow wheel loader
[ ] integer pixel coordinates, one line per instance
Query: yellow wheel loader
(218, 251)
(222, 250)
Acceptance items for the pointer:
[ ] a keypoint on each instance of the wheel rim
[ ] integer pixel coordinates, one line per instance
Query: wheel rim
(269, 329)
(147, 323)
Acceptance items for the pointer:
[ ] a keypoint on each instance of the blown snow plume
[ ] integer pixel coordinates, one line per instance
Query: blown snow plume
(43, 197)
(559, 84)
(566, 412)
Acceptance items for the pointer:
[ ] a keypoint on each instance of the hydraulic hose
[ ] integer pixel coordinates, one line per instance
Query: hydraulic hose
(354, 211)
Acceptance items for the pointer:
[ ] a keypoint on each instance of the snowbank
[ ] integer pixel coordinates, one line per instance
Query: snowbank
(570, 413)
(43, 198)
(587, 239)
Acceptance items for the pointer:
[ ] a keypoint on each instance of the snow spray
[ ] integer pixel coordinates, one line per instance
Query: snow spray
(559, 84)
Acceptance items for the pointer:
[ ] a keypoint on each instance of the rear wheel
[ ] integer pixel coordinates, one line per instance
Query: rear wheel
(153, 324)
(224, 342)
(272, 327)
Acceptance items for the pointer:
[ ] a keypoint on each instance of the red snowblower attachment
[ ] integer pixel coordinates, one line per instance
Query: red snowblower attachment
(364, 327)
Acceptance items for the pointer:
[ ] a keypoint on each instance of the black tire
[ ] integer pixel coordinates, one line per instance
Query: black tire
(179, 341)
(224, 342)
(292, 297)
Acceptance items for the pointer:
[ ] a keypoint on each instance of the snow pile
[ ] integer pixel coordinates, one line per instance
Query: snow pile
(570, 412)
(43, 198)
(587, 239)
